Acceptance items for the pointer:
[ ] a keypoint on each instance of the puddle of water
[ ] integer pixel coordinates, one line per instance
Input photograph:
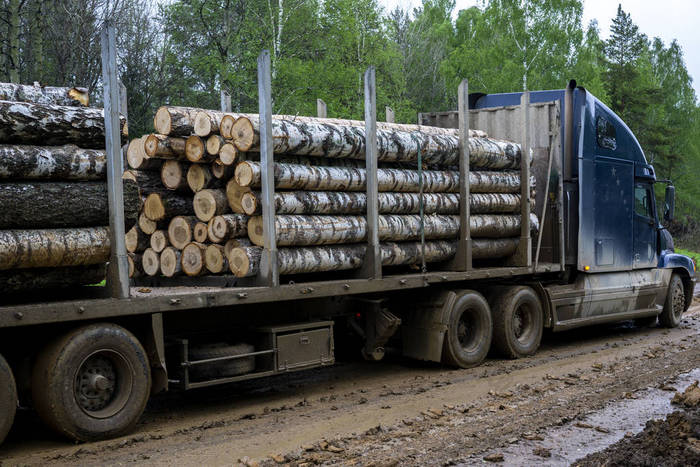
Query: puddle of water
(568, 443)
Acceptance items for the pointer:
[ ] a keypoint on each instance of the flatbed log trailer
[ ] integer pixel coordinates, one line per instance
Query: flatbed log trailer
(88, 364)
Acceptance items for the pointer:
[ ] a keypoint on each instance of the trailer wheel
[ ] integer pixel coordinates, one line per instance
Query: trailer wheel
(93, 383)
(674, 306)
(8, 398)
(517, 321)
(469, 331)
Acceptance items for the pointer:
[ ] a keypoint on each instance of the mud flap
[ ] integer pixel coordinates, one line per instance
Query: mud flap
(423, 330)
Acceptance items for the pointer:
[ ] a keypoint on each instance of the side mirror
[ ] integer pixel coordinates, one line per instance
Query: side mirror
(669, 202)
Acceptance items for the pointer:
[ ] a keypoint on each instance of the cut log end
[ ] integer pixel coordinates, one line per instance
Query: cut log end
(214, 143)
(150, 262)
(226, 126)
(147, 225)
(243, 134)
(199, 177)
(172, 175)
(234, 194)
(255, 230)
(209, 203)
(243, 261)
(181, 230)
(228, 154)
(249, 202)
(162, 121)
(215, 259)
(220, 170)
(193, 259)
(194, 149)
(200, 232)
(159, 240)
(153, 207)
(202, 124)
(170, 264)
(245, 174)
(135, 240)
(80, 94)
(235, 243)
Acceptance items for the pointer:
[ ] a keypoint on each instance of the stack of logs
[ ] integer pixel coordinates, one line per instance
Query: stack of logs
(53, 189)
(200, 175)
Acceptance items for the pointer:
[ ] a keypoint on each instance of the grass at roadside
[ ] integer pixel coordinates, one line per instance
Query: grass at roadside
(692, 254)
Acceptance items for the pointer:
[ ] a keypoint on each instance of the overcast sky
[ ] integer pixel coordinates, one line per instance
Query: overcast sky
(668, 20)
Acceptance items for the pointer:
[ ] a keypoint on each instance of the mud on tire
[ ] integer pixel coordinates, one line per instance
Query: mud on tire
(517, 321)
(469, 331)
(674, 306)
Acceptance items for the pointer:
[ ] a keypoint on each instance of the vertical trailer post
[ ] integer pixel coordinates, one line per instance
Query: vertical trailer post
(117, 275)
(389, 114)
(523, 255)
(372, 266)
(225, 101)
(463, 259)
(269, 271)
(321, 109)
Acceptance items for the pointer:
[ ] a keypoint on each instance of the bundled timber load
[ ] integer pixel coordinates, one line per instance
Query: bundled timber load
(44, 94)
(22, 280)
(137, 158)
(53, 125)
(67, 162)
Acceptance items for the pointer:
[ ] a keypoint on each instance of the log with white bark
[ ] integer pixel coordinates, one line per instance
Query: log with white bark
(137, 158)
(209, 203)
(157, 146)
(67, 162)
(207, 122)
(175, 121)
(339, 141)
(41, 279)
(51, 95)
(200, 233)
(47, 204)
(53, 125)
(221, 171)
(245, 261)
(235, 243)
(181, 230)
(301, 177)
(193, 263)
(234, 195)
(159, 240)
(170, 262)
(339, 202)
(228, 226)
(136, 240)
(173, 175)
(160, 206)
(44, 248)
(215, 260)
(150, 262)
(200, 177)
(293, 230)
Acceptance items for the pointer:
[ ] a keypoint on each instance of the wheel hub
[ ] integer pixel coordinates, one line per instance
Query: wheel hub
(95, 385)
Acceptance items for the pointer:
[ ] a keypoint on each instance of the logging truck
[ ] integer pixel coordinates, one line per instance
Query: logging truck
(87, 359)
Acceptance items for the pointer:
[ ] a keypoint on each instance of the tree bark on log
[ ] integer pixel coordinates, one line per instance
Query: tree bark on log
(337, 202)
(193, 259)
(150, 262)
(338, 141)
(234, 195)
(159, 240)
(23, 280)
(136, 241)
(49, 95)
(47, 248)
(301, 177)
(54, 125)
(297, 230)
(175, 121)
(33, 205)
(69, 162)
(228, 226)
(157, 146)
(136, 156)
(180, 231)
(171, 262)
(235, 243)
(173, 176)
(159, 206)
(215, 260)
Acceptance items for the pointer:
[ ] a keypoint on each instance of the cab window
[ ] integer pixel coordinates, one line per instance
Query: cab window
(605, 132)
(642, 201)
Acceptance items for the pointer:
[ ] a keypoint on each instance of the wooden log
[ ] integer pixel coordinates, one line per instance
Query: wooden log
(228, 226)
(135, 264)
(340, 141)
(195, 150)
(209, 203)
(175, 121)
(147, 181)
(69, 162)
(200, 232)
(44, 94)
(157, 146)
(215, 260)
(234, 195)
(53, 125)
(41, 279)
(300, 230)
(136, 156)
(46, 248)
(214, 144)
(136, 241)
(171, 262)
(148, 226)
(45, 204)
(160, 206)
(181, 230)
(173, 175)
(200, 177)
(222, 171)
(159, 240)
(300, 177)
(193, 263)
(235, 243)
(228, 154)
(245, 261)
(206, 122)
(335, 202)
(150, 262)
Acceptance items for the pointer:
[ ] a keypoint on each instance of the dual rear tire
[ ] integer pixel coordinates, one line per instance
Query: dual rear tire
(8, 398)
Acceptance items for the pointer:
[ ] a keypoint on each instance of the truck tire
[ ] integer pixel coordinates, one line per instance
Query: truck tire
(517, 321)
(225, 368)
(8, 398)
(469, 331)
(674, 306)
(92, 383)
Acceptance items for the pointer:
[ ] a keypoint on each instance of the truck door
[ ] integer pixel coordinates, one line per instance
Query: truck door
(644, 226)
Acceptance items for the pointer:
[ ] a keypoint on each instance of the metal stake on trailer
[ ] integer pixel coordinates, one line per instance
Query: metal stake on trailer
(118, 273)
(523, 255)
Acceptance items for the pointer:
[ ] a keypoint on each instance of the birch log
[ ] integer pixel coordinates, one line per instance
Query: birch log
(234, 195)
(181, 230)
(159, 240)
(175, 121)
(229, 226)
(157, 146)
(148, 226)
(301, 177)
(215, 260)
(137, 158)
(173, 175)
(195, 150)
(200, 177)
(54, 125)
(67, 162)
(31, 205)
(47, 248)
(200, 233)
(245, 261)
(235, 243)
(150, 262)
(221, 171)
(160, 206)
(209, 203)
(171, 262)
(228, 154)
(136, 241)
(337, 202)
(214, 144)
(193, 262)
(44, 94)
(22, 280)
(298, 230)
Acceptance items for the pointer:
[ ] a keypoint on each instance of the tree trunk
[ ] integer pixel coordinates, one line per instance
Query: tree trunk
(53, 247)
(180, 231)
(136, 241)
(200, 233)
(160, 206)
(159, 240)
(136, 156)
(199, 177)
(150, 262)
(158, 146)
(47, 95)
(148, 226)
(68, 162)
(221, 171)
(338, 141)
(32, 205)
(193, 259)
(228, 226)
(333, 202)
(173, 176)
(171, 262)
(54, 125)
(209, 203)
(294, 230)
(175, 121)
(215, 260)
(40, 279)
(301, 177)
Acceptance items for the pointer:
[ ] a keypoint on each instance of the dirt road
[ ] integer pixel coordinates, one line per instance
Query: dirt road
(399, 411)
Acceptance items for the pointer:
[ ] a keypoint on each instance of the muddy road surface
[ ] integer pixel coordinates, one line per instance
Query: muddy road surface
(582, 392)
